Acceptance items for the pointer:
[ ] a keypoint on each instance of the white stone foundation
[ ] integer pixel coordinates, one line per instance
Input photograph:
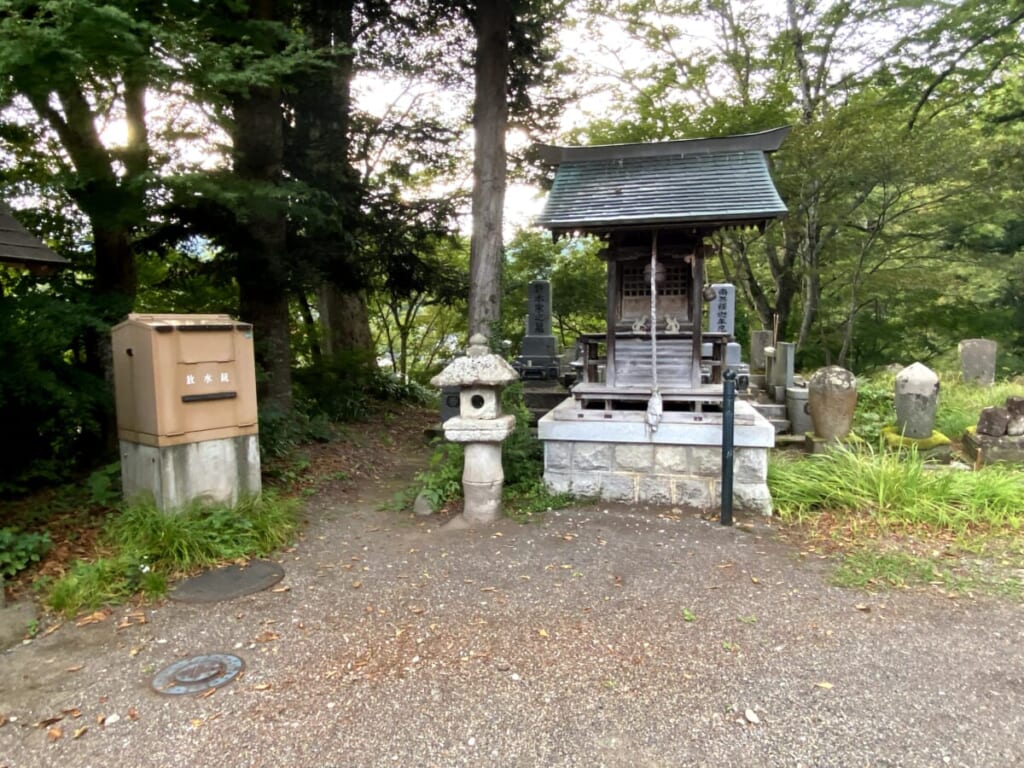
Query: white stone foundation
(614, 458)
(212, 471)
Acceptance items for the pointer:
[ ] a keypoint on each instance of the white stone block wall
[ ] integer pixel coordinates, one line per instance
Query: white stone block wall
(684, 475)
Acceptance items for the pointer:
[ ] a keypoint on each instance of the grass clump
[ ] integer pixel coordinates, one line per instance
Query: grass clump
(143, 548)
(896, 523)
(895, 489)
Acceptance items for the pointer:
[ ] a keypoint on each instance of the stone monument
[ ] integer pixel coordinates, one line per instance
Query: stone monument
(832, 398)
(916, 400)
(978, 361)
(538, 357)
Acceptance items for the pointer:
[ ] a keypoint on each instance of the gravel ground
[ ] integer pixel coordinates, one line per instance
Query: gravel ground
(602, 636)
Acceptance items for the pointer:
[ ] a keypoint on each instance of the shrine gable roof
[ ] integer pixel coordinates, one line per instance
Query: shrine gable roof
(706, 182)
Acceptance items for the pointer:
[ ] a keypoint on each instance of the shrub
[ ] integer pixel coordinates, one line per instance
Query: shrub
(19, 549)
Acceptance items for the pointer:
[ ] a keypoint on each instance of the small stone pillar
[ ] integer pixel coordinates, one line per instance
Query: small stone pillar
(978, 361)
(916, 399)
(832, 398)
(781, 373)
(480, 425)
(758, 341)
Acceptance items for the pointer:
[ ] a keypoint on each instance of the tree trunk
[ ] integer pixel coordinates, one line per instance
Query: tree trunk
(319, 155)
(262, 276)
(491, 21)
(344, 322)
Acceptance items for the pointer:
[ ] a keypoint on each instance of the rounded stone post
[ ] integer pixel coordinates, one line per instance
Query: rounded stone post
(832, 399)
(916, 400)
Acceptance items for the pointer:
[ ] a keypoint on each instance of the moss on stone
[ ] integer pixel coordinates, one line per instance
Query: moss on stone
(894, 439)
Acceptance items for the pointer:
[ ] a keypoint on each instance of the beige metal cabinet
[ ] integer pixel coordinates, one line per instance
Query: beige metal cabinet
(183, 378)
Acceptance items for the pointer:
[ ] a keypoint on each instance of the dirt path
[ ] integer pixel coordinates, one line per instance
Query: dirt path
(602, 636)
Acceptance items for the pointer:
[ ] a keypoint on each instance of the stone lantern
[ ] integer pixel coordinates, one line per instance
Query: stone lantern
(480, 425)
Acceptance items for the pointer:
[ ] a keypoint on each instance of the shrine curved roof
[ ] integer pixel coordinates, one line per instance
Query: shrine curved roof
(716, 182)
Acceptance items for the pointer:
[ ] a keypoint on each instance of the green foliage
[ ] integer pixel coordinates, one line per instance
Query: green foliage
(522, 454)
(148, 547)
(895, 488)
(347, 387)
(577, 279)
(51, 407)
(442, 480)
(105, 485)
(875, 409)
(19, 549)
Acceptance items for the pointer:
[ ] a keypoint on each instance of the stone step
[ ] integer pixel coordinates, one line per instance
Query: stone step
(771, 410)
(758, 380)
(782, 426)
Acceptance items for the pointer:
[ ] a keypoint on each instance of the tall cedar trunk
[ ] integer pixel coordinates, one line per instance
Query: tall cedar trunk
(262, 276)
(491, 21)
(345, 322)
(323, 104)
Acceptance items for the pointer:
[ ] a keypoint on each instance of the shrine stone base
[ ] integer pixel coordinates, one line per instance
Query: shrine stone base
(612, 456)
(220, 471)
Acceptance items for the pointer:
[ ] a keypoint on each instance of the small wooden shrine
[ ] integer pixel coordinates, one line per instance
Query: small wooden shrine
(655, 205)
(644, 422)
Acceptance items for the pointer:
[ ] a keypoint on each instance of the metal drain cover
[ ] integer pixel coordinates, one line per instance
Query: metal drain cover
(200, 673)
(228, 582)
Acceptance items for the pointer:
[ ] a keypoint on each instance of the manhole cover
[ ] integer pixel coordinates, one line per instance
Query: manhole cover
(228, 582)
(200, 673)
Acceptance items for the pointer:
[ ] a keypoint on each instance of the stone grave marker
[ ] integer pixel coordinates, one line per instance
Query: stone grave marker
(916, 400)
(978, 361)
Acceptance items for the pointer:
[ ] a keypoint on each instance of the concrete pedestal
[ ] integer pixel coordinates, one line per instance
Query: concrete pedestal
(616, 459)
(212, 471)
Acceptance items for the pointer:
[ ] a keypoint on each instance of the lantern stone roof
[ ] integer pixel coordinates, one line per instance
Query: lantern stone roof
(704, 182)
(479, 367)
(19, 246)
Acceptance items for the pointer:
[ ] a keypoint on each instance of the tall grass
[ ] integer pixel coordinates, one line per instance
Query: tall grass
(895, 488)
(144, 548)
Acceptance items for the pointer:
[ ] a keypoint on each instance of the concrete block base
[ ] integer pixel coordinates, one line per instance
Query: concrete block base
(614, 461)
(212, 471)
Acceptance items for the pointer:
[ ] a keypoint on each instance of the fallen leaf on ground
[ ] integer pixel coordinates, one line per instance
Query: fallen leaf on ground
(132, 714)
(542, 632)
(261, 687)
(281, 589)
(79, 732)
(266, 636)
(862, 607)
(93, 618)
(826, 686)
(752, 717)
(54, 733)
(73, 712)
(76, 668)
(49, 721)
(207, 693)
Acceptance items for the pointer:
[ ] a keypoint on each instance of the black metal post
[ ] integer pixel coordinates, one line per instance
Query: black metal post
(728, 420)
